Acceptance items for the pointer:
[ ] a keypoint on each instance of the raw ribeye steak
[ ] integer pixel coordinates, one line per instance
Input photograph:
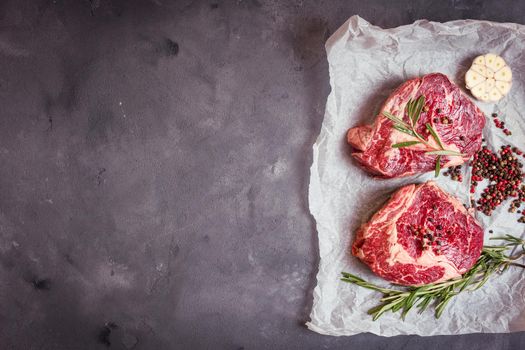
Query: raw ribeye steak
(457, 121)
(422, 235)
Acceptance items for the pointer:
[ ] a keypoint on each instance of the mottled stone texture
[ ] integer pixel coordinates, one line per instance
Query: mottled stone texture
(154, 171)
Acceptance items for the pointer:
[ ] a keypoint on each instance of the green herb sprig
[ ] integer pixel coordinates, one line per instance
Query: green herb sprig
(413, 110)
(493, 259)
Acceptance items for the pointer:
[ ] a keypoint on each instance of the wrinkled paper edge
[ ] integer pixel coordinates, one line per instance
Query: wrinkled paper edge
(354, 27)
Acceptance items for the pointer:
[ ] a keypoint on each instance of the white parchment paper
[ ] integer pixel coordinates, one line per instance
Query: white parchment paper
(366, 63)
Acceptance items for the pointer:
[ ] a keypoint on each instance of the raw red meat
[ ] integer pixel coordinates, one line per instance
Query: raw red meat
(422, 235)
(451, 113)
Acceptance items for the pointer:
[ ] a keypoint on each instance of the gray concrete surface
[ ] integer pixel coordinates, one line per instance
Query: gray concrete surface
(154, 171)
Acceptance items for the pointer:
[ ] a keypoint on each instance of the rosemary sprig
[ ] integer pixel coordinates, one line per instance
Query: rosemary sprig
(413, 110)
(493, 259)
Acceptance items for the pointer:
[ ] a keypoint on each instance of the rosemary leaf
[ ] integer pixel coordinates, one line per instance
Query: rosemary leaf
(409, 303)
(384, 308)
(395, 119)
(398, 306)
(509, 238)
(410, 109)
(438, 166)
(434, 135)
(405, 144)
(465, 284)
(418, 108)
(441, 306)
(412, 297)
(424, 304)
(404, 130)
(445, 152)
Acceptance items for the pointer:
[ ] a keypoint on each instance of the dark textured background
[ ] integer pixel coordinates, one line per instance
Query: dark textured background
(154, 172)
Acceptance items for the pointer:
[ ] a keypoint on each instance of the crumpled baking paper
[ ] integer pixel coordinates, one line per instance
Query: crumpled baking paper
(366, 64)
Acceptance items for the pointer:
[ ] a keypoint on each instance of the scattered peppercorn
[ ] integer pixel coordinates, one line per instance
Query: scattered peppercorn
(503, 171)
(428, 235)
(454, 172)
(499, 124)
